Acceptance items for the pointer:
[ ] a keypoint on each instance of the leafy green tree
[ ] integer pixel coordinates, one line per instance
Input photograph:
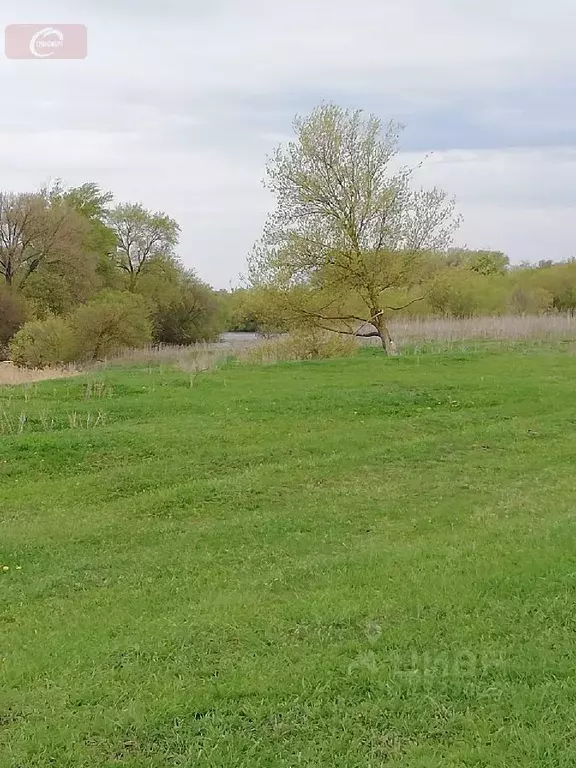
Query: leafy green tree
(529, 300)
(527, 292)
(141, 237)
(35, 233)
(560, 281)
(58, 287)
(348, 228)
(87, 199)
(239, 315)
(256, 310)
(489, 262)
(93, 204)
(483, 262)
(454, 293)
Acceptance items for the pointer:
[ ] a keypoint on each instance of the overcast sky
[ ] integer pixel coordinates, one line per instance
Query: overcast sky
(179, 102)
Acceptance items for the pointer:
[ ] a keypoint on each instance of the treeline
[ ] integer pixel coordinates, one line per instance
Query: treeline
(469, 283)
(81, 276)
(350, 245)
(457, 283)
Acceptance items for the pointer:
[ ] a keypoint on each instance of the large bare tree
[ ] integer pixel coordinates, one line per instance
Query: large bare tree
(348, 230)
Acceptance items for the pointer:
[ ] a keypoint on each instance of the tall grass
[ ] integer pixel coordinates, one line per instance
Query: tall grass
(194, 358)
(508, 327)
(10, 374)
(405, 332)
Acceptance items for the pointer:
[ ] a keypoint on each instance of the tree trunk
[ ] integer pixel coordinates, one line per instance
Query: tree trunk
(384, 334)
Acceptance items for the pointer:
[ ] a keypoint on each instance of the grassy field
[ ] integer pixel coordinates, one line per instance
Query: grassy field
(351, 563)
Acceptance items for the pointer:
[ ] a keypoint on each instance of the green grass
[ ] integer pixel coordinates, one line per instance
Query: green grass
(352, 563)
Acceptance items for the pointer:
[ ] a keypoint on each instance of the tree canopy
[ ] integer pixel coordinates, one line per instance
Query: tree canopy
(349, 226)
(71, 253)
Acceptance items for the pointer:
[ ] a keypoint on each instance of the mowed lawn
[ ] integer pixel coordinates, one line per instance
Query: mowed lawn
(352, 563)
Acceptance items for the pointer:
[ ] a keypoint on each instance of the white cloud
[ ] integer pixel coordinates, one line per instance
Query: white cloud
(178, 103)
(540, 178)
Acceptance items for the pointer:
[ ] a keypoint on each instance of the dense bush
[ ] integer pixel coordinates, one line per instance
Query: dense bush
(41, 343)
(255, 310)
(93, 331)
(529, 300)
(190, 315)
(108, 323)
(309, 344)
(184, 310)
(12, 317)
(458, 292)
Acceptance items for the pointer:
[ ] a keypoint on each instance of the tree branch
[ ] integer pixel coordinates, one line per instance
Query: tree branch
(405, 306)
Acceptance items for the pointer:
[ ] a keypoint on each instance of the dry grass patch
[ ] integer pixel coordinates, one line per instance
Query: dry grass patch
(311, 345)
(507, 328)
(10, 374)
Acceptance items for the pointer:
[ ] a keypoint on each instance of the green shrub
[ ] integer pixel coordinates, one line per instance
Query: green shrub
(307, 344)
(111, 321)
(190, 315)
(41, 343)
(12, 317)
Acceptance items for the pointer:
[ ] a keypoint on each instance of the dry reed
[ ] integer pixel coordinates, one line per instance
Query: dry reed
(11, 374)
(406, 332)
(508, 327)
